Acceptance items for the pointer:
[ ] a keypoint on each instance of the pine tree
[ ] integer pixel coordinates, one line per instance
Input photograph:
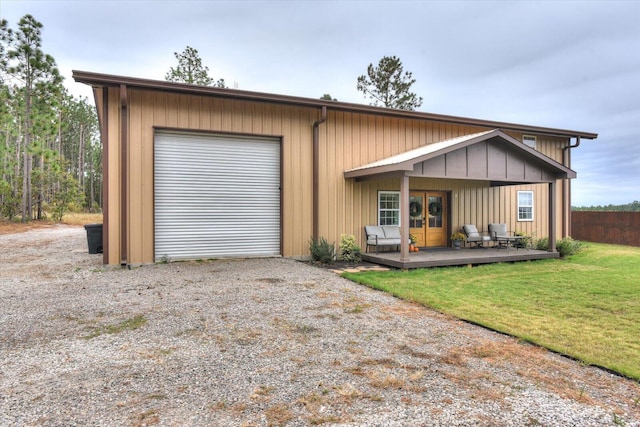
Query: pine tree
(32, 72)
(388, 85)
(190, 70)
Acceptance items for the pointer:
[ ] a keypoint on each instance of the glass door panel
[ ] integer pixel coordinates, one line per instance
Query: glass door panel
(417, 223)
(437, 219)
(435, 211)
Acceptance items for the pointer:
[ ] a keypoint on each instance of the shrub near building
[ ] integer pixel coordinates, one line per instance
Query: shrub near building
(349, 250)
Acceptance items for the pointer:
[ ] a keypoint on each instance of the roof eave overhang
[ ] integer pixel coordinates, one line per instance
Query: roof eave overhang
(388, 171)
(101, 80)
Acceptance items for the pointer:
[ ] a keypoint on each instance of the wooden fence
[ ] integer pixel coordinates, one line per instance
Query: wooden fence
(621, 228)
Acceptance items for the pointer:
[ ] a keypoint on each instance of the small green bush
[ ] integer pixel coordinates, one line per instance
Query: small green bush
(542, 244)
(322, 251)
(568, 247)
(349, 250)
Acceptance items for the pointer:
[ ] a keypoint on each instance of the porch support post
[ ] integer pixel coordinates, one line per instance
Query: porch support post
(552, 216)
(404, 219)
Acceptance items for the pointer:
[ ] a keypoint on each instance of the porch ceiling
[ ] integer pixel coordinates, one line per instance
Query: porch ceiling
(488, 156)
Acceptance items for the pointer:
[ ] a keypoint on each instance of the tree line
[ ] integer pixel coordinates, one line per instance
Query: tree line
(50, 149)
(629, 207)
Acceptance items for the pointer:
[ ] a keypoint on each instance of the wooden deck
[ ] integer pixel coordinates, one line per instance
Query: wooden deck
(444, 257)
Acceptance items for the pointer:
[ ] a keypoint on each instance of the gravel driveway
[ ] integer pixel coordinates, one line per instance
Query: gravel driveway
(261, 342)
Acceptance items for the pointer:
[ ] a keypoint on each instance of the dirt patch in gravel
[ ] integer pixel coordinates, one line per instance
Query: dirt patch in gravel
(261, 342)
(12, 227)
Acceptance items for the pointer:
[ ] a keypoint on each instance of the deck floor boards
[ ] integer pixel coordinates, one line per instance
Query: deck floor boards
(444, 257)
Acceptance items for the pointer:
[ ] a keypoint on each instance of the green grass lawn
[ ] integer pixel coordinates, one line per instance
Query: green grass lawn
(586, 306)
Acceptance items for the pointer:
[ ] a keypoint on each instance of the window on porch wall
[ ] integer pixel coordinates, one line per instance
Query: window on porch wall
(389, 208)
(525, 205)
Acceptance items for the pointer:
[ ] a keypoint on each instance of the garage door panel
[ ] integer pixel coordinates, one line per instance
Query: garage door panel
(216, 196)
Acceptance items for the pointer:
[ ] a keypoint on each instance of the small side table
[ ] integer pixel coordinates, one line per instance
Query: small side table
(506, 242)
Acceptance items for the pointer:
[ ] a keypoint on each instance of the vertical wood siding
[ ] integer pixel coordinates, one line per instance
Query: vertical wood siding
(347, 140)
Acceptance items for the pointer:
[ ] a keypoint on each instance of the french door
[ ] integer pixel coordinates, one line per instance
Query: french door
(428, 217)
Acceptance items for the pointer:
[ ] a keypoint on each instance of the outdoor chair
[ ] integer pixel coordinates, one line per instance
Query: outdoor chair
(503, 238)
(474, 236)
(385, 235)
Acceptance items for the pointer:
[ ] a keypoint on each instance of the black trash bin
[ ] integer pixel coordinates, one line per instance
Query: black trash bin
(94, 238)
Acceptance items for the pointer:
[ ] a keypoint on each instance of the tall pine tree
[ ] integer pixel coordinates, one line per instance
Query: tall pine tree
(388, 85)
(190, 70)
(32, 72)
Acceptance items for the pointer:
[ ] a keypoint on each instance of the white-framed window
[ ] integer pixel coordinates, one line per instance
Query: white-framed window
(529, 140)
(388, 208)
(525, 205)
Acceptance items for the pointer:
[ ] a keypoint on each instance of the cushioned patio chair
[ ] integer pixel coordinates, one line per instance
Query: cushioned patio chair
(499, 234)
(502, 237)
(474, 236)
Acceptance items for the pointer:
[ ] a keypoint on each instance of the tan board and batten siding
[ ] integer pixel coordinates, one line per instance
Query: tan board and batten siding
(150, 110)
(347, 140)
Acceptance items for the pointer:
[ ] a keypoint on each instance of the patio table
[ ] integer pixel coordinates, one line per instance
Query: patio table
(505, 242)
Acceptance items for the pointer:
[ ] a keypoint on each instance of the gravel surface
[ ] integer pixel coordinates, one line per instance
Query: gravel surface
(261, 342)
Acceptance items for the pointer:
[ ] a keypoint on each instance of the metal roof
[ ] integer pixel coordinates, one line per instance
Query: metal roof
(101, 80)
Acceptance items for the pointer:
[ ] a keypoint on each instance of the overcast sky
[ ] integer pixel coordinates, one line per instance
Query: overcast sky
(565, 64)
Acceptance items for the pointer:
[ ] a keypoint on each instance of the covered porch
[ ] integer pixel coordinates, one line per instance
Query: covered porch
(448, 257)
(492, 157)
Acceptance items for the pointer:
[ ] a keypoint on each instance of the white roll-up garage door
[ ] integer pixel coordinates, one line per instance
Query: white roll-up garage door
(216, 196)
